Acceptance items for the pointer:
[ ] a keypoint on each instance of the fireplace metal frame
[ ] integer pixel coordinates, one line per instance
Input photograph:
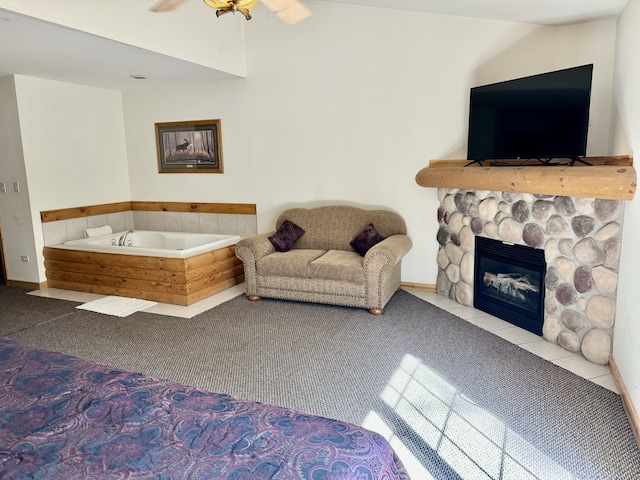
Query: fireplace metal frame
(527, 313)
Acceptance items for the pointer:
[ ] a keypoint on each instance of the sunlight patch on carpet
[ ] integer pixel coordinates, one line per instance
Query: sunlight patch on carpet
(467, 439)
(117, 306)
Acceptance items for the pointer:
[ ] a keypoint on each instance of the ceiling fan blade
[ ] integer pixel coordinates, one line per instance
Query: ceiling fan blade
(289, 11)
(166, 5)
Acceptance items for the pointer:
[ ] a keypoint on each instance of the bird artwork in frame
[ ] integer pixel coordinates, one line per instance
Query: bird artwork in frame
(189, 147)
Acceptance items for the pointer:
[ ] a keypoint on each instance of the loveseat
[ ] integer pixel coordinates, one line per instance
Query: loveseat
(322, 264)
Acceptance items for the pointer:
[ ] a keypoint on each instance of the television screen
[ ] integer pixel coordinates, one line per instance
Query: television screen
(540, 117)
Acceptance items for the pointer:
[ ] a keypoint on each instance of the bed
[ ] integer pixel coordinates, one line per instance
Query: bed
(62, 417)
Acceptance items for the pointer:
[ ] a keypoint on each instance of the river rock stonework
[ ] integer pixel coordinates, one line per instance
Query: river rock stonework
(581, 239)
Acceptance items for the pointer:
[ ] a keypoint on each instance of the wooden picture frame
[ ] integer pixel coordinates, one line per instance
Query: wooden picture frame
(189, 147)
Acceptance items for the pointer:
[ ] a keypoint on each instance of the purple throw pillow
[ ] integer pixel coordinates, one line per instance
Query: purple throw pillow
(286, 236)
(366, 239)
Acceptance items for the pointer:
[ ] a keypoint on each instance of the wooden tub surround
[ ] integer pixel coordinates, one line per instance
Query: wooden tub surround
(179, 281)
(86, 211)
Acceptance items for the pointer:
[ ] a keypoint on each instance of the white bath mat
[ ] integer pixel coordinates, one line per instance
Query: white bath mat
(117, 306)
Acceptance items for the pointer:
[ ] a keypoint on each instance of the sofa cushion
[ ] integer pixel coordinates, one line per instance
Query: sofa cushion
(366, 239)
(286, 236)
(338, 265)
(294, 263)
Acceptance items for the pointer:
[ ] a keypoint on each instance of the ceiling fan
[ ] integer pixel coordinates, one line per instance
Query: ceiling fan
(290, 11)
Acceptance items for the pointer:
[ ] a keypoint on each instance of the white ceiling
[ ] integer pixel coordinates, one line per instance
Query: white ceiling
(543, 12)
(36, 48)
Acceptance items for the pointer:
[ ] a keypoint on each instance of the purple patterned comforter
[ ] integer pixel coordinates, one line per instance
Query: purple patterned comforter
(66, 418)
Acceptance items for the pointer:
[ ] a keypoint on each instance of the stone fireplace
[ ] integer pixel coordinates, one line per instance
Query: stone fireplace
(581, 241)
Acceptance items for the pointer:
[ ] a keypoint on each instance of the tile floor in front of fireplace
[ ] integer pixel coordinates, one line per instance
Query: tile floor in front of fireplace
(576, 363)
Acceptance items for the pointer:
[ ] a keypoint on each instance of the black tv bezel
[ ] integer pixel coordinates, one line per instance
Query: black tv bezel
(555, 82)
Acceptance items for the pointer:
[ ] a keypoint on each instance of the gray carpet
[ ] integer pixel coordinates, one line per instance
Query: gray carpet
(19, 311)
(462, 401)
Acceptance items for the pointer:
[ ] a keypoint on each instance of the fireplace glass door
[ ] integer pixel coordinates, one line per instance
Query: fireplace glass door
(509, 282)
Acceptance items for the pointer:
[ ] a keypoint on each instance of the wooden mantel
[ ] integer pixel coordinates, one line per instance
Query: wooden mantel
(607, 177)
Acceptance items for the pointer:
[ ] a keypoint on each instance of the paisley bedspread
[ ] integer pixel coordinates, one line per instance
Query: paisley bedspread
(66, 418)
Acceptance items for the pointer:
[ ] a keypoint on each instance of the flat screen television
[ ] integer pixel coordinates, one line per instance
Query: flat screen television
(540, 117)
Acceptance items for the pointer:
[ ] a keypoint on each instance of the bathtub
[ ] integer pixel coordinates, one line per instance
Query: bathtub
(154, 244)
(166, 267)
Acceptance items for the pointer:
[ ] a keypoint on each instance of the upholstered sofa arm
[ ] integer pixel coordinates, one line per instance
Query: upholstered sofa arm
(386, 254)
(252, 249)
(249, 250)
(382, 270)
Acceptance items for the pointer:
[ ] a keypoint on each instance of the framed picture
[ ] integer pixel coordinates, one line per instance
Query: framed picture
(189, 147)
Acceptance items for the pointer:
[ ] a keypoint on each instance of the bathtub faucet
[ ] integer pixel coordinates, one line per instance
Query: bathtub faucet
(123, 238)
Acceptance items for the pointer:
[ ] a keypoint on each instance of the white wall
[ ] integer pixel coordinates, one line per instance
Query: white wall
(73, 148)
(626, 343)
(352, 113)
(15, 211)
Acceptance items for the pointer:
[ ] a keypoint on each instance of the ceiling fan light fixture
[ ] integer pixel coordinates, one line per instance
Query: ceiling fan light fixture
(226, 6)
(289, 11)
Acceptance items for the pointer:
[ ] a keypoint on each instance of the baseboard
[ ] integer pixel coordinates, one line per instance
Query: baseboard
(630, 410)
(30, 285)
(425, 287)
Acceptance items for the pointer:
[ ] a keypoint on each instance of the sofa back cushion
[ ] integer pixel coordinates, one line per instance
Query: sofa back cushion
(334, 227)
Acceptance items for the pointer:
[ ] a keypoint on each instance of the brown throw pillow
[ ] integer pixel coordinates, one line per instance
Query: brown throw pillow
(366, 239)
(286, 236)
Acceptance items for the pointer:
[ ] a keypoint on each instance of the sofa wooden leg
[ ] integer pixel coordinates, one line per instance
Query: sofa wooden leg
(253, 298)
(376, 311)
